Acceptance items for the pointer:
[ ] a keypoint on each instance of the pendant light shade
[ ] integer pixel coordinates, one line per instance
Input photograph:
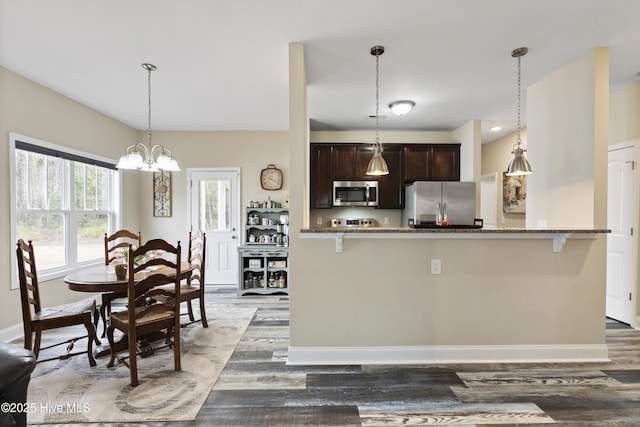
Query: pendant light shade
(377, 166)
(519, 165)
(143, 157)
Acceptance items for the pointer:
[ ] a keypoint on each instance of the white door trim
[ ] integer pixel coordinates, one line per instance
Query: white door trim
(635, 221)
(490, 179)
(235, 197)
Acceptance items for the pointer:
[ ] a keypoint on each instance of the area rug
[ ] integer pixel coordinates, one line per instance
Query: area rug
(71, 391)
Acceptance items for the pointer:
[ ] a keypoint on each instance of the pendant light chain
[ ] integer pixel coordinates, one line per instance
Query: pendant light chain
(377, 96)
(519, 165)
(377, 165)
(518, 140)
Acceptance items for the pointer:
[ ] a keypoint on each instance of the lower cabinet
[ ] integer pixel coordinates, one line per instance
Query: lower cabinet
(263, 270)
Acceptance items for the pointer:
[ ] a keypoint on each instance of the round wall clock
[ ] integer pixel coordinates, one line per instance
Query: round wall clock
(271, 178)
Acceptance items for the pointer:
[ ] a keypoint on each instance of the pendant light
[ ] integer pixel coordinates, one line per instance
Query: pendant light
(140, 156)
(519, 164)
(377, 165)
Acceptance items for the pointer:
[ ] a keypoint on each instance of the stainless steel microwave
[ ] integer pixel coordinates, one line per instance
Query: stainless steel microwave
(355, 193)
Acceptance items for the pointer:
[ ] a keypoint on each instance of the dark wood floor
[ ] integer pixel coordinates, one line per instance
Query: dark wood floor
(257, 388)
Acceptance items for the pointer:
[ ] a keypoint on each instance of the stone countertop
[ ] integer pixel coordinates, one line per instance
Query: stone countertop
(451, 230)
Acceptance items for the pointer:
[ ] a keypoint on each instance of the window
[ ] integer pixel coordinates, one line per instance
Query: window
(64, 202)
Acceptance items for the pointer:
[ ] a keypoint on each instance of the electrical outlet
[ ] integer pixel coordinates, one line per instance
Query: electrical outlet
(386, 220)
(319, 220)
(436, 266)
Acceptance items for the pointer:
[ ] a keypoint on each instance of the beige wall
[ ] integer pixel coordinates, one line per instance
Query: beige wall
(567, 126)
(32, 110)
(496, 156)
(250, 151)
(624, 114)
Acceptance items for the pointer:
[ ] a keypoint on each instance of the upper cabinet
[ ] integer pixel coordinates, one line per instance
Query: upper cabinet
(349, 161)
(321, 178)
(407, 163)
(433, 162)
(391, 187)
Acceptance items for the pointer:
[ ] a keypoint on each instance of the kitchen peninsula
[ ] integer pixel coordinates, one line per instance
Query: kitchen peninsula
(559, 236)
(497, 295)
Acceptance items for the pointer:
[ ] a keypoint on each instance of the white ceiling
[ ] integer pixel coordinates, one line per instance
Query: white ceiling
(223, 65)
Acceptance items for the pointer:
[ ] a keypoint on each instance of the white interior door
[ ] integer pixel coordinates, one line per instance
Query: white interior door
(621, 243)
(489, 200)
(215, 209)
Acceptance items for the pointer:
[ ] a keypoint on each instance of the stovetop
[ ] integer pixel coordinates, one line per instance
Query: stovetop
(353, 222)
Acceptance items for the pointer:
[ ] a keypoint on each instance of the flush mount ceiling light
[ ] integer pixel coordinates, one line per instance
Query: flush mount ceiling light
(519, 164)
(377, 165)
(401, 107)
(140, 156)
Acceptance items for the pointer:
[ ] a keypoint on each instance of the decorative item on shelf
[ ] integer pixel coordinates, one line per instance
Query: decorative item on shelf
(162, 194)
(271, 178)
(377, 164)
(133, 157)
(519, 164)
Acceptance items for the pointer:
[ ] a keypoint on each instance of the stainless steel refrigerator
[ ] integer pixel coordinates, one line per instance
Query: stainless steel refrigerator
(427, 202)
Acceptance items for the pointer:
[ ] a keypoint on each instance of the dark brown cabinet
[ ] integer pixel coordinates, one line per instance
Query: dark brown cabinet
(391, 187)
(343, 162)
(407, 163)
(432, 162)
(321, 179)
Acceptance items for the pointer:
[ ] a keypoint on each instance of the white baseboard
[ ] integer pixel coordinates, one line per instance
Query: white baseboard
(11, 333)
(447, 354)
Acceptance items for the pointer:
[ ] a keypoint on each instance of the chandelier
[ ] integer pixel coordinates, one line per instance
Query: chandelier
(519, 164)
(147, 157)
(377, 164)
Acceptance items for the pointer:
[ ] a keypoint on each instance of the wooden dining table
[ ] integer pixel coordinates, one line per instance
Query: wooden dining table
(102, 278)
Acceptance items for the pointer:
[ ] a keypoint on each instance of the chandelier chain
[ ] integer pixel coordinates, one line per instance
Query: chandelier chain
(149, 85)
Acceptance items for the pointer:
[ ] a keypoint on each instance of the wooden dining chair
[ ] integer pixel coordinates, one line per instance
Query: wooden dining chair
(193, 287)
(150, 307)
(118, 241)
(36, 318)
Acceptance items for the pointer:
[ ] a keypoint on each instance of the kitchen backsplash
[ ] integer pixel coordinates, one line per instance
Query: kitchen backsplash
(322, 217)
